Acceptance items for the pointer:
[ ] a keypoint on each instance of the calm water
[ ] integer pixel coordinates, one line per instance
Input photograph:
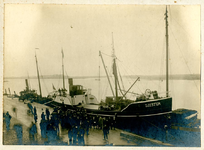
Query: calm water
(185, 93)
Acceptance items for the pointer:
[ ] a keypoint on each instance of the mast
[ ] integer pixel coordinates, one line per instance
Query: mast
(99, 85)
(116, 78)
(9, 91)
(106, 72)
(38, 76)
(167, 57)
(115, 70)
(63, 69)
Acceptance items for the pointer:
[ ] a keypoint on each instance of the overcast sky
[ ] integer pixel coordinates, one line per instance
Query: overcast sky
(84, 30)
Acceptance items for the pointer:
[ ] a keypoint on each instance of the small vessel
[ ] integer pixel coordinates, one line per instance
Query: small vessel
(5, 93)
(76, 96)
(29, 95)
(40, 99)
(10, 95)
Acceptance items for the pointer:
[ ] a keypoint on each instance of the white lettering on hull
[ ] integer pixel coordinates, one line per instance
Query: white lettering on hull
(153, 104)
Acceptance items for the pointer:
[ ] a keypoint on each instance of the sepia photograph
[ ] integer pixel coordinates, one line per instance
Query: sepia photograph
(102, 75)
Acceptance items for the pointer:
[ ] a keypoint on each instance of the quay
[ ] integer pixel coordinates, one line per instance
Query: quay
(22, 120)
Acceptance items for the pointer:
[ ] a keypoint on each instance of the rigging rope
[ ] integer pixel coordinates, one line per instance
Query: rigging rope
(43, 81)
(161, 66)
(99, 77)
(129, 78)
(58, 82)
(121, 80)
(107, 55)
(182, 27)
(184, 59)
(29, 81)
(118, 82)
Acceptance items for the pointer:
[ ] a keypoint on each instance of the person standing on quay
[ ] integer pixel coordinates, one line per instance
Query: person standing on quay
(35, 111)
(43, 128)
(19, 132)
(47, 113)
(8, 119)
(43, 116)
(100, 123)
(81, 136)
(70, 135)
(35, 118)
(105, 132)
(32, 132)
(74, 131)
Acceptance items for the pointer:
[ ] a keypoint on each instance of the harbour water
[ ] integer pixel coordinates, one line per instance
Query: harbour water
(185, 93)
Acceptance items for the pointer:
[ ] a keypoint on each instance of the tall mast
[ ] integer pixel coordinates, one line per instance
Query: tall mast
(63, 69)
(38, 76)
(167, 52)
(115, 70)
(106, 72)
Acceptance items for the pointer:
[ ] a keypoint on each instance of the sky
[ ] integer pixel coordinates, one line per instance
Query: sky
(84, 30)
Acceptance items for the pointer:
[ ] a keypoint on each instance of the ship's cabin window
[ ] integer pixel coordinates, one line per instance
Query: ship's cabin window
(76, 90)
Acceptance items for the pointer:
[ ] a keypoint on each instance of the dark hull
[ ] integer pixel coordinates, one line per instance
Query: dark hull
(137, 109)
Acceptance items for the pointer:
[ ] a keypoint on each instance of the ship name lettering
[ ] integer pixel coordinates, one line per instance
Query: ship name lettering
(153, 104)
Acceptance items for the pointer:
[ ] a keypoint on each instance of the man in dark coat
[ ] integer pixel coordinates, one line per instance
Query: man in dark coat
(43, 128)
(32, 132)
(7, 118)
(74, 131)
(47, 113)
(34, 111)
(105, 132)
(19, 131)
(70, 135)
(81, 136)
(43, 116)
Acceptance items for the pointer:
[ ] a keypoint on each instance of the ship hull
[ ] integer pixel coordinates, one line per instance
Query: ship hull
(147, 108)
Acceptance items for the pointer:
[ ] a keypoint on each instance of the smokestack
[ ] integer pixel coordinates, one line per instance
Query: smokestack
(27, 87)
(70, 84)
(9, 91)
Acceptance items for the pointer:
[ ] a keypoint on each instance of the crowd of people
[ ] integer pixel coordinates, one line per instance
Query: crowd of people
(76, 121)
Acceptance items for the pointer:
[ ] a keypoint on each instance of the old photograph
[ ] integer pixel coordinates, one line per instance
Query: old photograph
(102, 75)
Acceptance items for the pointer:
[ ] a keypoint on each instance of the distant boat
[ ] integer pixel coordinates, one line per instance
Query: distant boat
(76, 95)
(30, 95)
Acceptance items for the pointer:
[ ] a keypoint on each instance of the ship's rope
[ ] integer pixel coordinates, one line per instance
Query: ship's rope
(29, 82)
(148, 38)
(59, 81)
(181, 27)
(121, 80)
(111, 77)
(99, 78)
(180, 48)
(184, 60)
(162, 62)
(67, 81)
(104, 92)
(128, 77)
(106, 54)
(141, 71)
(43, 81)
(118, 81)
